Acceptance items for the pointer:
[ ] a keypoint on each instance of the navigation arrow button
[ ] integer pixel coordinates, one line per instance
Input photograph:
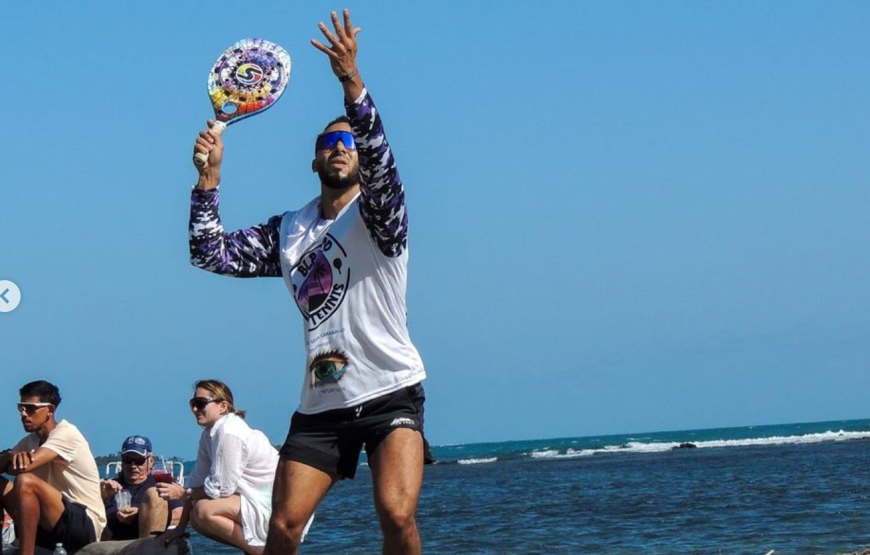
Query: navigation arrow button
(10, 296)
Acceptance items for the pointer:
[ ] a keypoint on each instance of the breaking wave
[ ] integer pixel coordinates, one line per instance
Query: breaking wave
(658, 447)
(477, 461)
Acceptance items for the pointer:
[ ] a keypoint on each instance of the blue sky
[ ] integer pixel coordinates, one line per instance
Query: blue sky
(625, 216)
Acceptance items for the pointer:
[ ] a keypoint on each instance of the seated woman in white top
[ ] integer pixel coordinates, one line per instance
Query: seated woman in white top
(229, 493)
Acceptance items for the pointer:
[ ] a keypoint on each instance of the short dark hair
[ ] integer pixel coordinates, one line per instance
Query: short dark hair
(339, 119)
(46, 391)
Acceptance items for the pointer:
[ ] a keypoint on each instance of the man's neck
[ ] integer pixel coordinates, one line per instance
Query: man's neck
(332, 201)
(46, 429)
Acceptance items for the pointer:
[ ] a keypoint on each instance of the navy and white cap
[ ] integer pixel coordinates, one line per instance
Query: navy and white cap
(140, 445)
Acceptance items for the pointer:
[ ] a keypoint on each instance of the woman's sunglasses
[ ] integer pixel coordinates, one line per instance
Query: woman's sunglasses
(135, 461)
(200, 403)
(329, 140)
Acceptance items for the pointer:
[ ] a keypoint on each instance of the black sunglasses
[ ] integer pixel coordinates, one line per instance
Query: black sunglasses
(200, 403)
(136, 461)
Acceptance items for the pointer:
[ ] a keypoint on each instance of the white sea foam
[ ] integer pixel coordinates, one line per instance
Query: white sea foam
(784, 440)
(569, 454)
(544, 454)
(477, 461)
(642, 447)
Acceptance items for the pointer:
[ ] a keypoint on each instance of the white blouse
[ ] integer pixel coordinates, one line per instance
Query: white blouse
(234, 458)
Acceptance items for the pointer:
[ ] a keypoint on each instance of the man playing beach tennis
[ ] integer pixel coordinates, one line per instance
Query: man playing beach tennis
(344, 259)
(55, 498)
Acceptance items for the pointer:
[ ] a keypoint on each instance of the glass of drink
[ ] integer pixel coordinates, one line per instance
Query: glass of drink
(162, 471)
(122, 500)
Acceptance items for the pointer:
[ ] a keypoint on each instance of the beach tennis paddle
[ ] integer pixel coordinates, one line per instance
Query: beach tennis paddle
(247, 79)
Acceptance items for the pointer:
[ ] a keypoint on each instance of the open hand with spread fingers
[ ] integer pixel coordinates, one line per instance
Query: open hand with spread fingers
(342, 47)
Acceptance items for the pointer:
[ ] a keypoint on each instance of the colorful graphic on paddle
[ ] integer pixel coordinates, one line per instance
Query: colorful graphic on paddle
(247, 79)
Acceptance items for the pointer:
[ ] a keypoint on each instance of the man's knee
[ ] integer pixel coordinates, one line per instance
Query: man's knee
(397, 517)
(26, 483)
(152, 498)
(288, 527)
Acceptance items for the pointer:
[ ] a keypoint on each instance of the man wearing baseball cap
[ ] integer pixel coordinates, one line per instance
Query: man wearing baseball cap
(148, 513)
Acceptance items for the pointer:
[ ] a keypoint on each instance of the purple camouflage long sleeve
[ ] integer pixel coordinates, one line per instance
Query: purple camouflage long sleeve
(383, 198)
(251, 252)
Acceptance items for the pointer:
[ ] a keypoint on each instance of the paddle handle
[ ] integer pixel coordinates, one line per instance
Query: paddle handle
(217, 129)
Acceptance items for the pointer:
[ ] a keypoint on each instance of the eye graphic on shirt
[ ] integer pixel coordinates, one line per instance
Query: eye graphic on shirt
(320, 281)
(328, 367)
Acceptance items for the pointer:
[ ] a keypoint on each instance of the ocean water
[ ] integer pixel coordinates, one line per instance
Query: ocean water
(798, 488)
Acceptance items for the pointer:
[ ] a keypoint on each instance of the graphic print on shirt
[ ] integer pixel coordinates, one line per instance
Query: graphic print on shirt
(320, 281)
(328, 367)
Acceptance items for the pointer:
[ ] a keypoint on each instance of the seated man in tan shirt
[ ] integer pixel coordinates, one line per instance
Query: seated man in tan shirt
(55, 498)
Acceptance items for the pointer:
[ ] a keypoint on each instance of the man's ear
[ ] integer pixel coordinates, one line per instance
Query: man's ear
(314, 165)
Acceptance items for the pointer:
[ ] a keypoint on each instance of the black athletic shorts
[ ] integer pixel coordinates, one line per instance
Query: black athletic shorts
(73, 529)
(331, 441)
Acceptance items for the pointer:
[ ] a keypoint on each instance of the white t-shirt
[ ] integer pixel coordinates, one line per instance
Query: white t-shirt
(73, 472)
(234, 458)
(352, 299)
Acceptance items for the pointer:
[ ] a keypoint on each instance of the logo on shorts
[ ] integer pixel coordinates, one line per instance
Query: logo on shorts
(320, 281)
(328, 367)
(402, 422)
(249, 74)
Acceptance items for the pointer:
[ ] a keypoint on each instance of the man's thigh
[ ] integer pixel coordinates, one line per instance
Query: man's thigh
(298, 490)
(50, 500)
(397, 471)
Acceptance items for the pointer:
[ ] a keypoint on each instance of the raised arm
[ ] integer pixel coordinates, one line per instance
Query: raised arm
(251, 252)
(383, 197)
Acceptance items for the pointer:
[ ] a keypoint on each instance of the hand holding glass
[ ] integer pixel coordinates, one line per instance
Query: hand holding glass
(123, 500)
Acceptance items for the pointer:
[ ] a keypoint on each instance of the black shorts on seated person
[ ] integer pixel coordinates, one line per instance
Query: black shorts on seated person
(331, 441)
(74, 529)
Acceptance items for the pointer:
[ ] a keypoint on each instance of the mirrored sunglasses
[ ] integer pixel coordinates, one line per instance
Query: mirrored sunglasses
(329, 140)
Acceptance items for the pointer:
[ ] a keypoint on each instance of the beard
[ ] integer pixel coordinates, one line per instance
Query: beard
(331, 177)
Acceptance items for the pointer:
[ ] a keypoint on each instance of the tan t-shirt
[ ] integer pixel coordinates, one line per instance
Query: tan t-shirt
(74, 472)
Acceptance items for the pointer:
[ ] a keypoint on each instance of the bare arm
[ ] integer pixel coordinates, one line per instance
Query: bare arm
(28, 461)
(171, 535)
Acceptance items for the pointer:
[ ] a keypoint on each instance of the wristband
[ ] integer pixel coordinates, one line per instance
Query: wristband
(348, 77)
